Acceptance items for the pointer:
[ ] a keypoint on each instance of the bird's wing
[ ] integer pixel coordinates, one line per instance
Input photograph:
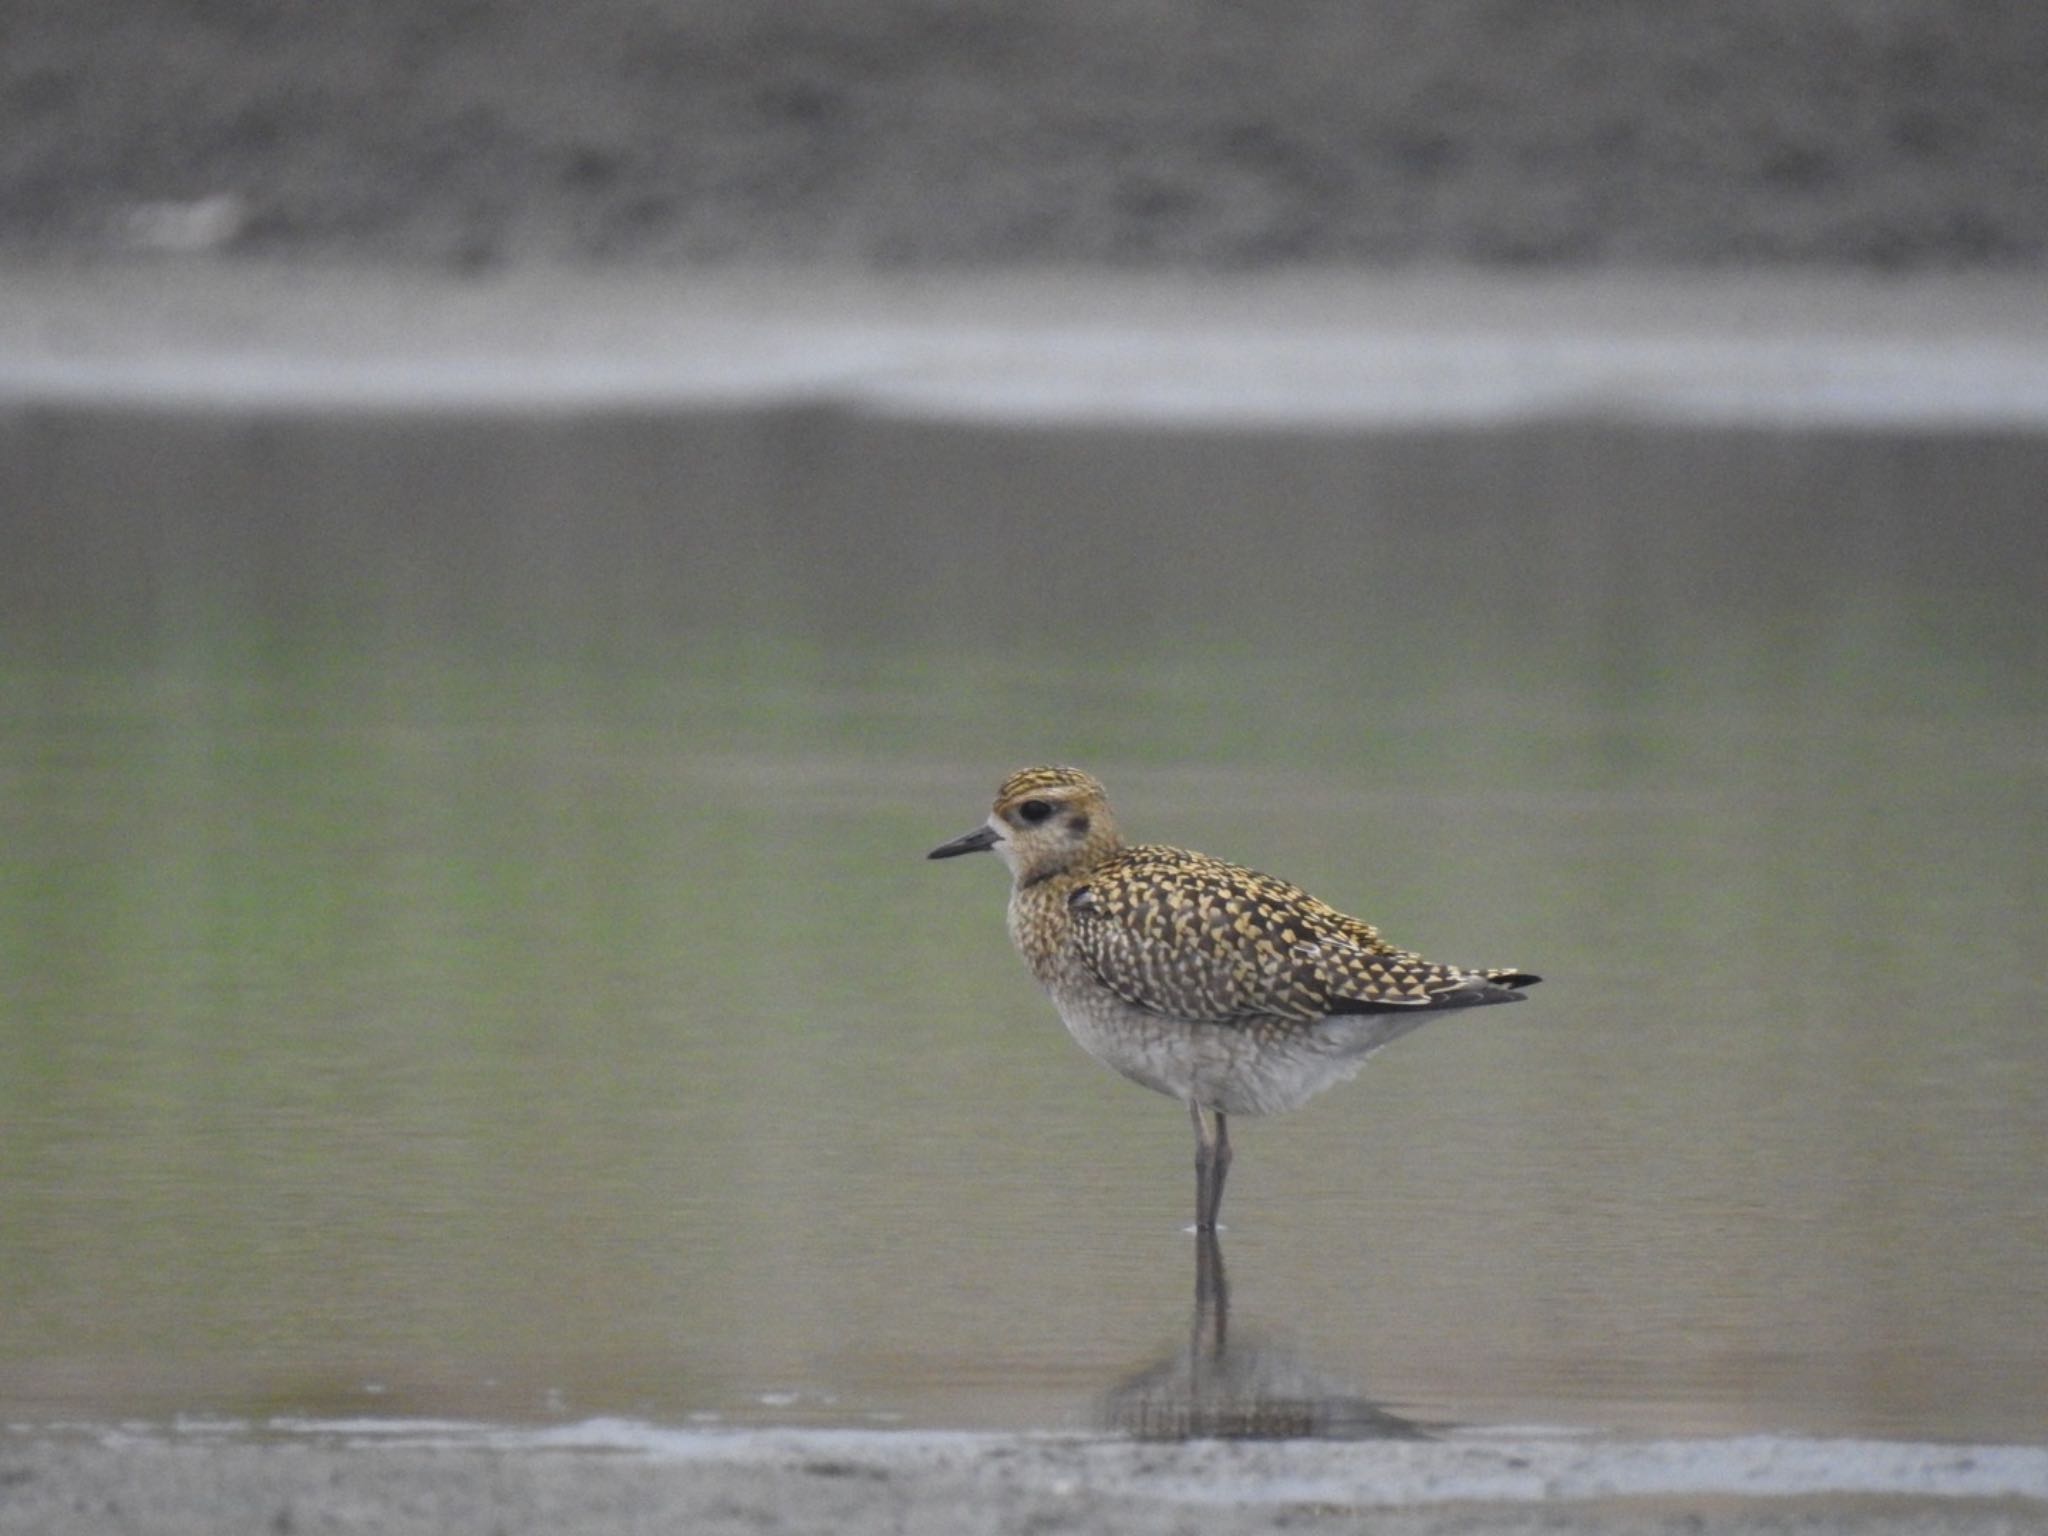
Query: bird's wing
(1182, 934)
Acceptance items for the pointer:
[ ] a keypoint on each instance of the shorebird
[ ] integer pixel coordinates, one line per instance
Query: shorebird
(1234, 992)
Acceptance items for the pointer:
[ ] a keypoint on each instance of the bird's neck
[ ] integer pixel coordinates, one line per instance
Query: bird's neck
(1041, 916)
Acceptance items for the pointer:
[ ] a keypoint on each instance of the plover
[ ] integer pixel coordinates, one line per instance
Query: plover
(1234, 992)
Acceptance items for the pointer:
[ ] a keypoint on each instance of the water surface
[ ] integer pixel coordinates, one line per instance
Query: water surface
(465, 946)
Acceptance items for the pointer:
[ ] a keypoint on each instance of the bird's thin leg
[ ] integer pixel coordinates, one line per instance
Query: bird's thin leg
(1212, 1163)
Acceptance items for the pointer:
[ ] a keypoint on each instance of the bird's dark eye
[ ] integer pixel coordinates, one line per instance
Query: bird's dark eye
(1034, 811)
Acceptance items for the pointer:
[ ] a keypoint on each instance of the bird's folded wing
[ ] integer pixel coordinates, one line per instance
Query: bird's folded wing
(1191, 937)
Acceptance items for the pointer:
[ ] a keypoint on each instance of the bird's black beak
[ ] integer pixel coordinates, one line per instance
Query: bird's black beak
(977, 841)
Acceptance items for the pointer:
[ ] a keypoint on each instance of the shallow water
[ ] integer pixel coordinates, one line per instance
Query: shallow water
(465, 946)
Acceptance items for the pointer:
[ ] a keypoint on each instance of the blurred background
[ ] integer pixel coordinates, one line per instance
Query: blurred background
(520, 525)
(1900, 134)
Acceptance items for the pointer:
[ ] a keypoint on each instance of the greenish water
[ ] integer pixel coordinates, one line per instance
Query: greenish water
(465, 945)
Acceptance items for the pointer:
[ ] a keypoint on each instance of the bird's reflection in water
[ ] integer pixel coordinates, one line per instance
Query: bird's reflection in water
(1219, 1387)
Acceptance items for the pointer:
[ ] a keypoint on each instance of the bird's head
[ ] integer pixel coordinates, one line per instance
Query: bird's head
(1045, 821)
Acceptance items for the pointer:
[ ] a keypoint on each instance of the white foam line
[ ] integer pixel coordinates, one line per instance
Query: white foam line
(1186, 376)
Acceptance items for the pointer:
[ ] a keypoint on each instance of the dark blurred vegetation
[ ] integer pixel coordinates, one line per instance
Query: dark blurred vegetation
(1204, 135)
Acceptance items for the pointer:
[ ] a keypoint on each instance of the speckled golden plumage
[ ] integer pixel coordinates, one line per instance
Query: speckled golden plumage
(1191, 936)
(1226, 988)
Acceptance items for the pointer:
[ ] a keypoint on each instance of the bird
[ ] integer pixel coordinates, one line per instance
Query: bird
(1230, 990)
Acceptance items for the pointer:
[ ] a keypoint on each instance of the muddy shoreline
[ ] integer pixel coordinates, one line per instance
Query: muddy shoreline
(621, 1478)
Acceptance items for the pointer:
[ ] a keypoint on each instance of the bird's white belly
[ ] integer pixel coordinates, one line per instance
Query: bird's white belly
(1220, 1066)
